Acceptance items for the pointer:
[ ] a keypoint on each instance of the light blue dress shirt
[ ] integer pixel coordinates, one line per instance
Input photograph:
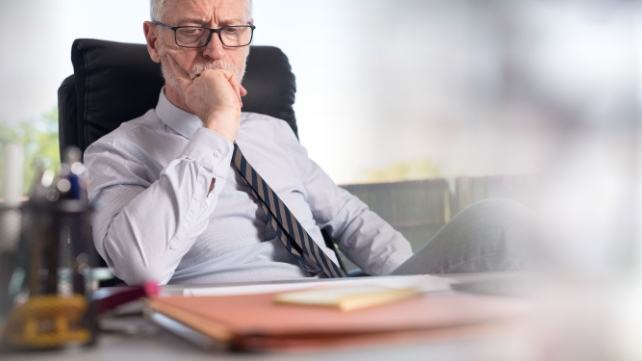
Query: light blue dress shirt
(158, 220)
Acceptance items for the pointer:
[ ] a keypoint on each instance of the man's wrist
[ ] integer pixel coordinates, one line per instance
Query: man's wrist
(222, 127)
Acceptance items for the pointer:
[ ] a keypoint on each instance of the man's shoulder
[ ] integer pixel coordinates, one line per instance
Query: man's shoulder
(129, 130)
(258, 117)
(263, 122)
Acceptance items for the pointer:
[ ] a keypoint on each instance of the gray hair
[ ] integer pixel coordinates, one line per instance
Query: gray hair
(156, 9)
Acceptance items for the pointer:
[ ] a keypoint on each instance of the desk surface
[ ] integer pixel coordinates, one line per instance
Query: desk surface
(142, 339)
(160, 346)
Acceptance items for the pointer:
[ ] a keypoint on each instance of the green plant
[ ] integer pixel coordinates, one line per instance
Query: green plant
(39, 137)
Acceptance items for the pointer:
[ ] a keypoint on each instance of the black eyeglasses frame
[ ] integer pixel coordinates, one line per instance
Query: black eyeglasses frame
(209, 37)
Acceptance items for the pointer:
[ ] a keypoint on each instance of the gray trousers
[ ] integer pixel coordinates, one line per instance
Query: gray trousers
(489, 236)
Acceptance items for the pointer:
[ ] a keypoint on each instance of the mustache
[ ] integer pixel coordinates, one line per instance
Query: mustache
(198, 68)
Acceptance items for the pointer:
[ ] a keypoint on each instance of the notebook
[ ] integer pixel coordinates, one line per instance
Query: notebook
(258, 323)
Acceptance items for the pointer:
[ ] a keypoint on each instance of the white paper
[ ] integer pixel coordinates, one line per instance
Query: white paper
(424, 283)
(12, 193)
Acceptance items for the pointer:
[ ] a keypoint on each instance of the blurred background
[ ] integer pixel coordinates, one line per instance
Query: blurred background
(420, 107)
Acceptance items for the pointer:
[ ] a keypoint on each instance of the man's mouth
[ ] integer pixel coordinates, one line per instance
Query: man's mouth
(197, 69)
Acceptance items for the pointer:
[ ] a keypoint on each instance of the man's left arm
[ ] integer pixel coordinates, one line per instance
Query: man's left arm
(368, 240)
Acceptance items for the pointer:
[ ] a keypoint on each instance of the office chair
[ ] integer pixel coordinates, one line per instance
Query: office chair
(114, 82)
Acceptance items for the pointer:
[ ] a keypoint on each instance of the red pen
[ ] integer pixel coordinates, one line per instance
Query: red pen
(108, 299)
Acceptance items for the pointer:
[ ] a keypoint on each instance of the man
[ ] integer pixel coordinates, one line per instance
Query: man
(174, 208)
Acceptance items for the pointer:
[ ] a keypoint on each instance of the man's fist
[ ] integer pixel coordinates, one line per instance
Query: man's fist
(213, 95)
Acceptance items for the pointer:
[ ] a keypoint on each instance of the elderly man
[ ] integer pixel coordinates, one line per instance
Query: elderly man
(195, 191)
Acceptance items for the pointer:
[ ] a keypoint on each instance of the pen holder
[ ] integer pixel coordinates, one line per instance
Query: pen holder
(52, 306)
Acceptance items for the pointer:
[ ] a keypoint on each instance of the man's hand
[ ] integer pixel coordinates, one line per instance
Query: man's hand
(214, 96)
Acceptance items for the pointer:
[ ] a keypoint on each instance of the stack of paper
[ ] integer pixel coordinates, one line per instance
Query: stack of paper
(266, 322)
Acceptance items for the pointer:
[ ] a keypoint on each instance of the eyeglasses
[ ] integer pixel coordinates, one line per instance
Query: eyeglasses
(231, 36)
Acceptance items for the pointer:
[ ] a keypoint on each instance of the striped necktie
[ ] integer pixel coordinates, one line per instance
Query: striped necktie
(311, 258)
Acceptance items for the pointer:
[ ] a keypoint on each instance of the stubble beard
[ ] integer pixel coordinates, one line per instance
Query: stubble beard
(198, 68)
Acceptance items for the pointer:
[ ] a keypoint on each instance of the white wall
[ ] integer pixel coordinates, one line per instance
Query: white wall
(475, 88)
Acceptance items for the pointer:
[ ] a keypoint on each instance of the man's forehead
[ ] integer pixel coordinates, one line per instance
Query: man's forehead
(206, 10)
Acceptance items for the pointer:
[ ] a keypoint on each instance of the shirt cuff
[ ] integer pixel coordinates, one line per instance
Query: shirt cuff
(210, 150)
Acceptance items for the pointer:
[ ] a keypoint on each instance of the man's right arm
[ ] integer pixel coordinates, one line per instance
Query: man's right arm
(145, 223)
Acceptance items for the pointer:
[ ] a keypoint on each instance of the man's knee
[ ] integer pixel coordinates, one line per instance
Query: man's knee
(501, 223)
(497, 207)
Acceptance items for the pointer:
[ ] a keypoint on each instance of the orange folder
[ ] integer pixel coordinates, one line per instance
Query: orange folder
(256, 322)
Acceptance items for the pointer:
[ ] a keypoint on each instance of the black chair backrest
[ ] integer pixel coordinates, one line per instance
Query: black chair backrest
(114, 82)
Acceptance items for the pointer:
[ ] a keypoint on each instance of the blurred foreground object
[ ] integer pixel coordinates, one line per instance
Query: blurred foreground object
(51, 284)
(12, 174)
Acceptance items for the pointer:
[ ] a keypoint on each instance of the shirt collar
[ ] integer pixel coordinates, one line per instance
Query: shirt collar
(184, 123)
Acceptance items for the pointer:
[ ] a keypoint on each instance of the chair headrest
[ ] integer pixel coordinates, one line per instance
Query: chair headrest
(114, 82)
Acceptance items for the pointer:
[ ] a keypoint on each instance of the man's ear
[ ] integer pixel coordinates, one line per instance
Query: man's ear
(152, 40)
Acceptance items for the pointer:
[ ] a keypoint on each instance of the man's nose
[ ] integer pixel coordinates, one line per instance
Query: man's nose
(214, 49)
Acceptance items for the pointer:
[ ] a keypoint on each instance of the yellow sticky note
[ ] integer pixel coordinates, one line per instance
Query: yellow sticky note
(346, 298)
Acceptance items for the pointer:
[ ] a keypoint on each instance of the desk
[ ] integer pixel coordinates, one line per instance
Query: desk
(159, 345)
